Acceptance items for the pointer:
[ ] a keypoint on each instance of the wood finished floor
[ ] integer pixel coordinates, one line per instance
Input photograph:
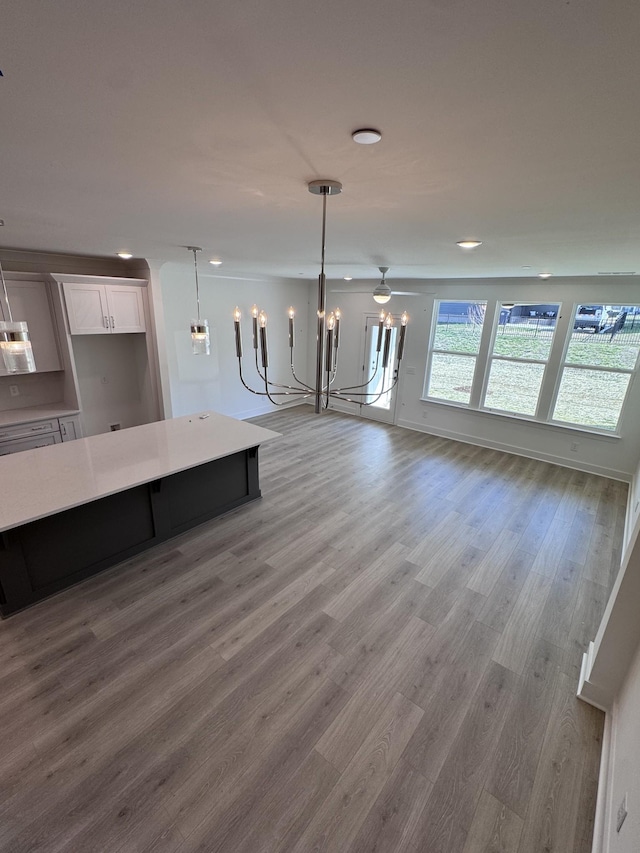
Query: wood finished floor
(380, 655)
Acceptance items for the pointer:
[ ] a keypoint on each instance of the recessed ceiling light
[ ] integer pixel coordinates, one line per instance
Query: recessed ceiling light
(545, 274)
(366, 136)
(125, 255)
(348, 278)
(469, 244)
(526, 266)
(216, 262)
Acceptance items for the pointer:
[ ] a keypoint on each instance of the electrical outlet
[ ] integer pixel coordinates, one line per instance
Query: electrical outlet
(425, 414)
(115, 427)
(411, 371)
(574, 446)
(622, 813)
(14, 390)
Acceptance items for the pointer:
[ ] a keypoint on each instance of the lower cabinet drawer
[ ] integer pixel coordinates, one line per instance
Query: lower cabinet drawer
(28, 443)
(29, 429)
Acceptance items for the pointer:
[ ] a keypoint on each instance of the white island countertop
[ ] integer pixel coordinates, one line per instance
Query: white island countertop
(50, 479)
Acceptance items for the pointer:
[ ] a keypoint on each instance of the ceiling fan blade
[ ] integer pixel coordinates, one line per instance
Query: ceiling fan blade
(412, 292)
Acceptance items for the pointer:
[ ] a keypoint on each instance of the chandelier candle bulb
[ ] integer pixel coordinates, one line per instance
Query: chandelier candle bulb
(262, 321)
(380, 325)
(254, 314)
(331, 324)
(236, 323)
(292, 314)
(388, 323)
(403, 330)
(338, 316)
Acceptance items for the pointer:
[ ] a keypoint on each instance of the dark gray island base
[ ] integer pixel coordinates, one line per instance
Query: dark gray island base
(114, 496)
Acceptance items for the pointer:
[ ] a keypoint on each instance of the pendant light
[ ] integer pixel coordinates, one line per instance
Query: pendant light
(15, 346)
(200, 341)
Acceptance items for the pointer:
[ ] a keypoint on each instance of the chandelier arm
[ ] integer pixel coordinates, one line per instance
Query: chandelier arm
(364, 384)
(299, 381)
(304, 388)
(337, 393)
(301, 392)
(271, 394)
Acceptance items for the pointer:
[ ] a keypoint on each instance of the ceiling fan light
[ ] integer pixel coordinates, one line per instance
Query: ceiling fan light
(382, 293)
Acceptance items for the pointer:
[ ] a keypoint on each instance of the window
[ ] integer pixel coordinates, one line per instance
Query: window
(520, 352)
(601, 358)
(453, 355)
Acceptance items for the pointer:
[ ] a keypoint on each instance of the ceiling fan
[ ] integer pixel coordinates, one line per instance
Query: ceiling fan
(382, 292)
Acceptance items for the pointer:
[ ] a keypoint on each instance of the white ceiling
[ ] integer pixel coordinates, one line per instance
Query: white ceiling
(156, 124)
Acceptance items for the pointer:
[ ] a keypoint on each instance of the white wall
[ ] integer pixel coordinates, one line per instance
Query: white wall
(211, 382)
(624, 762)
(612, 456)
(113, 378)
(36, 389)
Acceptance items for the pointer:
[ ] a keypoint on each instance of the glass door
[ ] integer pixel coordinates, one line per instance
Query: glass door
(380, 395)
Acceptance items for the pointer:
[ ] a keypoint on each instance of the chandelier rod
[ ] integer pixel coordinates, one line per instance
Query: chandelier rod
(322, 296)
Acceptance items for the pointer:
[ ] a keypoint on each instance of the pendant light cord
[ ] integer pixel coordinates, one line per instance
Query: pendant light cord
(195, 264)
(6, 296)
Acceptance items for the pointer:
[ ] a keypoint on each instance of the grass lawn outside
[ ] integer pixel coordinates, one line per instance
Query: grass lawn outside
(586, 397)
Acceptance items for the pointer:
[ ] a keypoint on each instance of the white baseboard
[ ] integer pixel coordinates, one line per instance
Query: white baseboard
(600, 842)
(262, 410)
(518, 451)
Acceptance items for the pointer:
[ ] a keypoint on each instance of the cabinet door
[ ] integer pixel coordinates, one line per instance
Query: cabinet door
(29, 301)
(87, 309)
(126, 308)
(70, 428)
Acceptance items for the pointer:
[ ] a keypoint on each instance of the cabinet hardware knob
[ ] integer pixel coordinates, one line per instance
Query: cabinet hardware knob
(113, 325)
(106, 322)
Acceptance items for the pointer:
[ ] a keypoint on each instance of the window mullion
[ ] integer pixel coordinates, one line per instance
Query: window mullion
(553, 370)
(483, 361)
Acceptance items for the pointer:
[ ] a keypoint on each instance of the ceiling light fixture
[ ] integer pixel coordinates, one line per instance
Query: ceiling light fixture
(469, 244)
(216, 262)
(200, 341)
(545, 275)
(382, 293)
(327, 343)
(348, 278)
(15, 346)
(366, 136)
(126, 256)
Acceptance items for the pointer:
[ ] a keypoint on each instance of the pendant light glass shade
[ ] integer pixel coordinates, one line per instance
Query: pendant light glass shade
(15, 346)
(200, 341)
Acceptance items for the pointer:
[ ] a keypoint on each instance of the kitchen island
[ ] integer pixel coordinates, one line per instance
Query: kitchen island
(71, 510)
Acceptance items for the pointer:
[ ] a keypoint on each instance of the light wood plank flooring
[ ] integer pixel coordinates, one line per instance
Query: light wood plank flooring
(380, 655)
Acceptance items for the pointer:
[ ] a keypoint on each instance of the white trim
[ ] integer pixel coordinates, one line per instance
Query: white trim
(518, 451)
(600, 843)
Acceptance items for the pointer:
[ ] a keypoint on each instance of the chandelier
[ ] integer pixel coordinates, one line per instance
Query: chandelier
(327, 344)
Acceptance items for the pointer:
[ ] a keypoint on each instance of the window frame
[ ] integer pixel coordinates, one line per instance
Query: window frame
(536, 416)
(432, 350)
(631, 372)
(554, 368)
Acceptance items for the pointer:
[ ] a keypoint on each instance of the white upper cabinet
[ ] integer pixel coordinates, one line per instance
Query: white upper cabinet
(126, 308)
(29, 301)
(104, 309)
